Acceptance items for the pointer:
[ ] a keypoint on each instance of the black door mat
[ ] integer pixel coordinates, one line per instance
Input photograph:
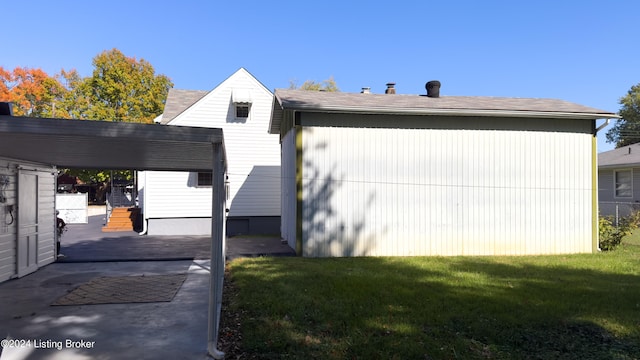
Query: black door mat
(125, 289)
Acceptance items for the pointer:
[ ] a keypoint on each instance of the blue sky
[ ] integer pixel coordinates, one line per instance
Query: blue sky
(580, 51)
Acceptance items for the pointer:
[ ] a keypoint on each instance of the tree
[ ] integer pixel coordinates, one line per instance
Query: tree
(626, 131)
(32, 92)
(326, 85)
(120, 89)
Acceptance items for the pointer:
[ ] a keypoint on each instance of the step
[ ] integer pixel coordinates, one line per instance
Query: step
(121, 219)
(117, 229)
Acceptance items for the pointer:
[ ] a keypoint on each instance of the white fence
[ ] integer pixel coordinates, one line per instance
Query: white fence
(73, 208)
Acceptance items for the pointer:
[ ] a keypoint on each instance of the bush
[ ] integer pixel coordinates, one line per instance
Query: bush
(611, 235)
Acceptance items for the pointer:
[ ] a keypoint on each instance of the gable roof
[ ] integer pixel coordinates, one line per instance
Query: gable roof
(178, 101)
(626, 156)
(318, 101)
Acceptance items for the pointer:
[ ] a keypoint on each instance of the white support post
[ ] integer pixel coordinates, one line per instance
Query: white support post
(217, 250)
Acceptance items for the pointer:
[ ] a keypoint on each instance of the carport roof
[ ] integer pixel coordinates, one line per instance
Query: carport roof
(108, 145)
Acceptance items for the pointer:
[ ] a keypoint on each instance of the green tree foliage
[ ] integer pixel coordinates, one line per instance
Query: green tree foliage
(326, 85)
(121, 88)
(626, 131)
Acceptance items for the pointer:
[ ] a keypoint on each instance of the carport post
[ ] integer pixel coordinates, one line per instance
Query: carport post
(217, 250)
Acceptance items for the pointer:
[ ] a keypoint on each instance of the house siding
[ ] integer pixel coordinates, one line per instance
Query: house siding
(476, 187)
(45, 253)
(608, 202)
(253, 160)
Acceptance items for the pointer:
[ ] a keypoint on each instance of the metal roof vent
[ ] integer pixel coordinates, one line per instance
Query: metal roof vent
(391, 88)
(6, 108)
(433, 88)
(365, 90)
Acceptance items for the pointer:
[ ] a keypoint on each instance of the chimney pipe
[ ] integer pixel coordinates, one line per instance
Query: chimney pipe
(391, 88)
(433, 88)
(365, 90)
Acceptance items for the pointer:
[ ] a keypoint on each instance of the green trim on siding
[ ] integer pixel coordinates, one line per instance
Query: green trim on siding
(594, 193)
(299, 202)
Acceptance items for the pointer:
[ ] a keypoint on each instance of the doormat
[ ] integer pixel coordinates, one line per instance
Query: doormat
(125, 289)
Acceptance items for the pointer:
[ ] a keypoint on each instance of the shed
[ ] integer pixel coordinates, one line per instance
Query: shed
(115, 145)
(405, 175)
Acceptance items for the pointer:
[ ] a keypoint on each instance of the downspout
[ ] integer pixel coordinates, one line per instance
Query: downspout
(144, 206)
(144, 226)
(595, 247)
(606, 122)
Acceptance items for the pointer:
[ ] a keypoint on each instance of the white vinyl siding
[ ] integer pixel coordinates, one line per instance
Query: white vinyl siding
(405, 192)
(253, 157)
(623, 183)
(171, 194)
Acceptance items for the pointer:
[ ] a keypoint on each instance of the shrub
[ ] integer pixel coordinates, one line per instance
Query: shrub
(611, 235)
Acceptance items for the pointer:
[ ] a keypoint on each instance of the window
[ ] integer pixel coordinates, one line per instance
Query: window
(205, 179)
(623, 183)
(242, 110)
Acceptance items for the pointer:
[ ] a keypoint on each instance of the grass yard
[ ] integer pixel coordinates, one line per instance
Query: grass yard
(543, 307)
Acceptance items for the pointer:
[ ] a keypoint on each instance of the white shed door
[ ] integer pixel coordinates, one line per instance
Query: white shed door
(27, 223)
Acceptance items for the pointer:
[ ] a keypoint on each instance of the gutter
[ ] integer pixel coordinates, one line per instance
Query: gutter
(454, 112)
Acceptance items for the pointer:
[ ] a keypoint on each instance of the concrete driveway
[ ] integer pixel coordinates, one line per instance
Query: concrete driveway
(175, 329)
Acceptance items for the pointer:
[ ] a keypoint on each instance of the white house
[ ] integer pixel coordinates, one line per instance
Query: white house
(176, 203)
(402, 175)
(619, 180)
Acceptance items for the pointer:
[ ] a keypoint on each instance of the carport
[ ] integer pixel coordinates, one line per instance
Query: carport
(116, 145)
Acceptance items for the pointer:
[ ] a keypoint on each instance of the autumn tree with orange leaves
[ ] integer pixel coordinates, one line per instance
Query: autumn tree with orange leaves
(33, 92)
(120, 88)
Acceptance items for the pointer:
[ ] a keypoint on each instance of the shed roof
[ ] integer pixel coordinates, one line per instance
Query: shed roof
(626, 156)
(108, 145)
(301, 100)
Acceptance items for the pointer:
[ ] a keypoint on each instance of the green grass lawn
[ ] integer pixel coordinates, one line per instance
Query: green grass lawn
(542, 307)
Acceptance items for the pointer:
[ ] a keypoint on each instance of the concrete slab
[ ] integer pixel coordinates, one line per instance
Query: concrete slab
(158, 330)
(86, 242)
(167, 330)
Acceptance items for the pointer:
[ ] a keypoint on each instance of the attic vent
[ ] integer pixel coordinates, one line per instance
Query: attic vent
(241, 96)
(433, 88)
(6, 108)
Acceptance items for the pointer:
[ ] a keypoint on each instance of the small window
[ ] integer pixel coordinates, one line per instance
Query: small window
(205, 179)
(623, 183)
(242, 110)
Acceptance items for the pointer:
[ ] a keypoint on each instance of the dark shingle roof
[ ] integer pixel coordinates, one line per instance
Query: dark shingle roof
(422, 105)
(178, 101)
(626, 156)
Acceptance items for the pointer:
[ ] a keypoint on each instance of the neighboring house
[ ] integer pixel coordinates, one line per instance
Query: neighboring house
(177, 203)
(402, 175)
(27, 217)
(619, 180)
